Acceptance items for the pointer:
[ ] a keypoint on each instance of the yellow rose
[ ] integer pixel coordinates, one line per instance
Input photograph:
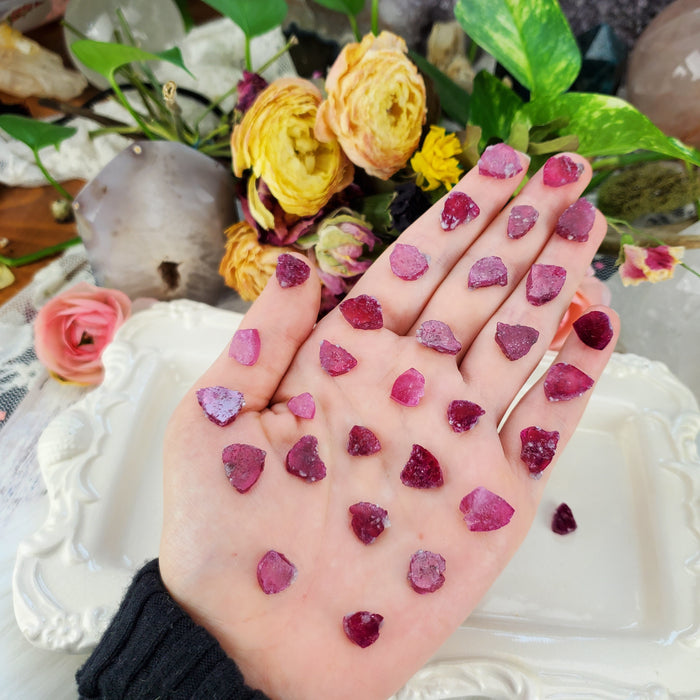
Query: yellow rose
(375, 105)
(276, 140)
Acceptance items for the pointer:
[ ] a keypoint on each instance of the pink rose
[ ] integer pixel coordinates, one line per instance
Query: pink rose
(72, 330)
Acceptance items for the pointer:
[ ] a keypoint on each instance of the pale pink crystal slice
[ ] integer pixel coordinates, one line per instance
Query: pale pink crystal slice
(544, 282)
(245, 346)
(463, 415)
(437, 335)
(459, 208)
(576, 221)
(484, 510)
(426, 571)
(538, 447)
(368, 521)
(304, 461)
(564, 382)
(409, 388)
(594, 329)
(487, 272)
(291, 271)
(220, 405)
(563, 521)
(561, 170)
(521, 219)
(243, 465)
(422, 471)
(407, 262)
(499, 161)
(362, 627)
(362, 442)
(362, 312)
(275, 572)
(303, 405)
(335, 360)
(515, 341)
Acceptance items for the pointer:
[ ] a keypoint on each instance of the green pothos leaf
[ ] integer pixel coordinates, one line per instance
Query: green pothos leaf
(493, 107)
(254, 17)
(35, 133)
(348, 7)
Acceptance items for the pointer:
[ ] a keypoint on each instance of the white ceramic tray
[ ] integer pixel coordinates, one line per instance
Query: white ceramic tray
(609, 611)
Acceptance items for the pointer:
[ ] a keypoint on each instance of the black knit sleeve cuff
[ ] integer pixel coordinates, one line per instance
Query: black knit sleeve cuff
(152, 648)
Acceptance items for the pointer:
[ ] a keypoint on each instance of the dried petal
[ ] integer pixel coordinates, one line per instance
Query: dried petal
(515, 341)
(303, 460)
(335, 360)
(368, 521)
(437, 335)
(275, 572)
(521, 220)
(538, 448)
(302, 406)
(499, 161)
(407, 262)
(243, 465)
(426, 571)
(422, 471)
(564, 382)
(561, 170)
(463, 415)
(594, 329)
(221, 405)
(484, 510)
(362, 442)
(408, 388)
(291, 271)
(487, 272)
(576, 221)
(544, 282)
(563, 521)
(459, 208)
(245, 346)
(362, 627)
(363, 312)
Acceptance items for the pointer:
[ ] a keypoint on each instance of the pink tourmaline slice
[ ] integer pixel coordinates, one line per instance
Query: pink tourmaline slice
(220, 405)
(564, 382)
(484, 510)
(363, 312)
(245, 346)
(291, 271)
(521, 219)
(563, 521)
(576, 221)
(463, 415)
(303, 405)
(362, 442)
(561, 170)
(422, 471)
(426, 571)
(594, 329)
(243, 465)
(515, 341)
(335, 360)
(368, 521)
(362, 627)
(408, 388)
(499, 161)
(275, 572)
(303, 460)
(437, 335)
(487, 272)
(459, 208)
(543, 283)
(538, 447)
(407, 262)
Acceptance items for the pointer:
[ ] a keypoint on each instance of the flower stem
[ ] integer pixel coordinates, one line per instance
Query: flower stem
(56, 185)
(375, 17)
(39, 254)
(355, 28)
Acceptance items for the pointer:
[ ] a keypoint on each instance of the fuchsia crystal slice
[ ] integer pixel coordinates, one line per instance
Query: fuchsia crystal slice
(407, 262)
(368, 521)
(538, 448)
(463, 415)
(459, 208)
(302, 406)
(564, 382)
(422, 471)
(291, 271)
(335, 360)
(484, 510)
(576, 221)
(499, 161)
(363, 312)
(521, 220)
(275, 572)
(437, 335)
(426, 571)
(515, 341)
(245, 346)
(594, 329)
(303, 460)
(408, 388)
(220, 405)
(362, 627)
(544, 282)
(563, 521)
(243, 465)
(561, 170)
(362, 442)
(487, 272)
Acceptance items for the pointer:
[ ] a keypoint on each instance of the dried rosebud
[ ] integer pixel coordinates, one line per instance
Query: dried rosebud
(249, 87)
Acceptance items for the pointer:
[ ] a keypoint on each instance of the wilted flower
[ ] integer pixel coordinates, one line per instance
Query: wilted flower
(649, 264)
(436, 163)
(408, 204)
(375, 105)
(249, 87)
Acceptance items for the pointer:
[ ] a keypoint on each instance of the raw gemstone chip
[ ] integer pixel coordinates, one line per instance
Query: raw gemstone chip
(303, 460)
(484, 510)
(594, 329)
(515, 341)
(407, 262)
(408, 388)
(459, 208)
(538, 447)
(561, 170)
(487, 272)
(362, 442)
(368, 521)
(363, 312)
(245, 346)
(437, 335)
(543, 283)
(563, 521)
(362, 627)
(521, 220)
(335, 360)
(422, 471)
(463, 415)
(221, 405)
(291, 271)
(576, 221)
(426, 571)
(564, 382)
(499, 161)
(243, 465)
(303, 405)
(275, 572)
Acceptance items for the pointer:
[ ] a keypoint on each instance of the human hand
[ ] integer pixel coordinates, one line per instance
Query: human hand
(292, 644)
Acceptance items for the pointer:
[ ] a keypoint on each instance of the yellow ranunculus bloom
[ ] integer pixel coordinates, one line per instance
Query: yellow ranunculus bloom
(276, 140)
(436, 163)
(375, 105)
